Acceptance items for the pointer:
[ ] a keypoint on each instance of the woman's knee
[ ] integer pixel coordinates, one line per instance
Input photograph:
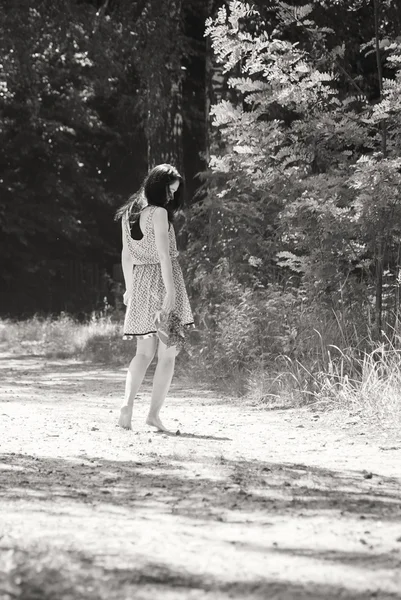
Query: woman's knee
(146, 349)
(165, 354)
(146, 357)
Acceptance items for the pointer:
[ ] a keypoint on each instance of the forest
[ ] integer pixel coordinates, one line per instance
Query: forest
(275, 470)
(284, 118)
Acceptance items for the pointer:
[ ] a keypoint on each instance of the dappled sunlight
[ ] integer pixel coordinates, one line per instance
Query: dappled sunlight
(74, 571)
(243, 502)
(116, 512)
(261, 458)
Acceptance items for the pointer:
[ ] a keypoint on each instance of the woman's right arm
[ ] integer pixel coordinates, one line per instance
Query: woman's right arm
(161, 225)
(127, 266)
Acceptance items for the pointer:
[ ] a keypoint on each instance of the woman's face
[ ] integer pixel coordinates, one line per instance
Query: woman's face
(174, 185)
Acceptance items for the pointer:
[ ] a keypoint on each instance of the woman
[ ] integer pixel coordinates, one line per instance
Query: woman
(154, 285)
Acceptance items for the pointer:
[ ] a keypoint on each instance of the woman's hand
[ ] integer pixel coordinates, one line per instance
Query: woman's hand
(126, 297)
(169, 303)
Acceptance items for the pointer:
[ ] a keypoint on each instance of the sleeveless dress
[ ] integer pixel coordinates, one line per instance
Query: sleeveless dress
(147, 289)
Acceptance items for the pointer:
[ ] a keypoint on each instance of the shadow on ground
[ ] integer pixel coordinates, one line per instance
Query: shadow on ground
(72, 575)
(169, 485)
(243, 486)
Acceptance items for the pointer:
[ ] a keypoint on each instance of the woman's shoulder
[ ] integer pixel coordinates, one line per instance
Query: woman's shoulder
(160, 214)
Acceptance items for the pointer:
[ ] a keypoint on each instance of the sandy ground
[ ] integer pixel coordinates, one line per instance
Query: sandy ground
(246, 503)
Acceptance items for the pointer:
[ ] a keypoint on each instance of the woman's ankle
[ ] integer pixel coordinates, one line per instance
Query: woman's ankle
(128, 404)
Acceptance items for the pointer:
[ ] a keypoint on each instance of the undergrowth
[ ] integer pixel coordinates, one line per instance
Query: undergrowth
(98, 339)
(364, 377)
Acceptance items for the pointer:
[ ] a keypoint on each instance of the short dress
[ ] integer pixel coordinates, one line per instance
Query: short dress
(147, 289)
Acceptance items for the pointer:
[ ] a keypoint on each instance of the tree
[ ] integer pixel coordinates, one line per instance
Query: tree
(297, 136)
(60, 95)
(92, 93)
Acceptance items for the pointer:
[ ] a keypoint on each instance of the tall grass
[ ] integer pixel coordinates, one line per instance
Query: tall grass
(99, 338)
(364, 382)
(334, 368)
(368, 384)
(274, 349)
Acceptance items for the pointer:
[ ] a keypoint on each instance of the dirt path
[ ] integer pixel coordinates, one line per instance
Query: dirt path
(245, 504)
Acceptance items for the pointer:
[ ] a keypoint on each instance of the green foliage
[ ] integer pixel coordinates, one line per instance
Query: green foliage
(311, 152)
(308, 153)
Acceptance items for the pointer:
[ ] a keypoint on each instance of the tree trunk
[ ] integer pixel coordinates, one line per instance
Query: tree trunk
(100, 15)
(397, 291)
(208, 91)
(379, 289)
(162, 76)
(380, 242)
(216, 87)
(215, 90)
(380, 72)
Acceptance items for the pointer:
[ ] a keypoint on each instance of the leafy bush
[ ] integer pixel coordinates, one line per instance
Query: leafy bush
(293, 253)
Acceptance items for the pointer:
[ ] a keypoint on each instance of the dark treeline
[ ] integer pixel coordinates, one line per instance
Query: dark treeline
(91, 95)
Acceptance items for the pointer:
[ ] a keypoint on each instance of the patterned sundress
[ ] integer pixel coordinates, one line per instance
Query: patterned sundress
(148, 291)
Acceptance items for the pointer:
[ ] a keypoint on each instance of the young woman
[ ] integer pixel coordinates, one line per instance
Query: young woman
(154, 285)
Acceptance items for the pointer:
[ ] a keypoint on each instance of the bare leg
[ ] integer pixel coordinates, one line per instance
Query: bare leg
(161, 384)
(145, 352)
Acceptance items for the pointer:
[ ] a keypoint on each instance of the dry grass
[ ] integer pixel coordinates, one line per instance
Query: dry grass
(368, 382)
(373, 389)
(98, 339)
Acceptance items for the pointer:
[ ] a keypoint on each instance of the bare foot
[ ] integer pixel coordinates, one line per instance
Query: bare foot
(156, 422)
(125, 417)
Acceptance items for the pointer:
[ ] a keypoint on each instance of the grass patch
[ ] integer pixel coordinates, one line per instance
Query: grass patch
(365, 382)
(99, 339)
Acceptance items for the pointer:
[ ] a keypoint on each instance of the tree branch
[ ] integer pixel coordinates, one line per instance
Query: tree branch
(321, 47)
(99, 15)
(380, 73)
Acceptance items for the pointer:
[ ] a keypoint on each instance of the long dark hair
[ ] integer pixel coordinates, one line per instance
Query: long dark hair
(155, 191)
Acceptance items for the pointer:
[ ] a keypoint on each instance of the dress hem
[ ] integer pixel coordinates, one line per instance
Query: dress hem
(131, 336)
